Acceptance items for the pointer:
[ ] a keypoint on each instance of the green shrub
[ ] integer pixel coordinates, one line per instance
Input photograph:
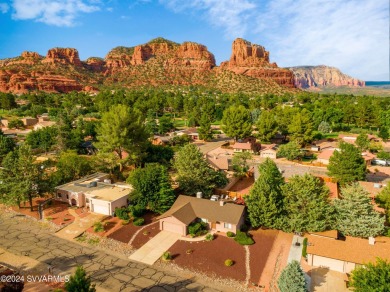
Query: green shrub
(230, 234)
(98, 226)
(304, 248)
(122, 213)
(166, 256)
(125, 222)
(138, 221)
(243, 238)
(136, 211)
(244, 228)
(229, 263)
(197, 228)
(209, 237)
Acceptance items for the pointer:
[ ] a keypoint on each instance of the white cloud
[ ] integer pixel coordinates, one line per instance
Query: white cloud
(350, 34)
(231, 15)
(52, 12)
(4, 7)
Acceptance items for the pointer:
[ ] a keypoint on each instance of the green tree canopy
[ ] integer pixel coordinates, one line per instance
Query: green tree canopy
(71, 166)
(80, 282)
(347, 165)
(301, 127)
(267, 126)
(237, 122)
(362, 142)
(383, 199)
(21, 177)
(307, 204)
(373, 277)
(205, 127)
(6, 145)
(122, 129)
(291, 150)
(324, 127)
(292, 278)
(194, 174)
(240, 163)
(265, 200)
(152, 188)
(355, 214)
(42, 139)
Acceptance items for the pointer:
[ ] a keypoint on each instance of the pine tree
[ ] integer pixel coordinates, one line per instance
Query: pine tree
(267, 126)
(194, 174)
(355, 215)
(347, 165)
(362, 142)
(237, 122)
(292, 279)
(307, 204)
(265, 200)
(80, 282)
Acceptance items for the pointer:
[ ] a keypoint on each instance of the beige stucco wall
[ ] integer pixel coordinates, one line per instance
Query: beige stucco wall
(122, 202)
(323, 161)
(79, 197)
(106, 205)
(268, 154)
(173, 220)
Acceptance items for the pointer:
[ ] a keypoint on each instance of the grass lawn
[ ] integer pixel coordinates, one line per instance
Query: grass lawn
(331, 135)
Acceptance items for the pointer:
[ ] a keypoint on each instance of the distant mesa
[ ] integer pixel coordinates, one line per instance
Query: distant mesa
(159, 62)
(309, 77)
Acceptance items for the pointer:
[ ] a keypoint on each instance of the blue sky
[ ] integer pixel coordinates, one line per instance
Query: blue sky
(352, 35)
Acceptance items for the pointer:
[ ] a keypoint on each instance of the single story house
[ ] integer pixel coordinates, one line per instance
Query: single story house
(43, 117)
(191, 132)
(29, 121)
(368, 157)
(161, 140)
(324, 156)
(219, 162)
(351, 138)
(4, 123)
(43, 124)
(219, 215)
(268, 151)
(95, 192)
(325, 145)
(327, 249)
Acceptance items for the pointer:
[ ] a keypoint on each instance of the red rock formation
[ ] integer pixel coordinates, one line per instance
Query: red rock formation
(65, 56)
(253, 60)
(322, 76)
(95, 64)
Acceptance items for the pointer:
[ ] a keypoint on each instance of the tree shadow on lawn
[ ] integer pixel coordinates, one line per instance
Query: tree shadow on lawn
(318, 277)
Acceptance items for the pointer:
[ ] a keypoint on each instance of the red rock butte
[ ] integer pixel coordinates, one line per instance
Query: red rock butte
(158, 62)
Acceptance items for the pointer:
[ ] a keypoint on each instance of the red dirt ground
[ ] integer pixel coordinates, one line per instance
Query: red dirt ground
(209, 257)
(58, 211)
(110, 224)
(269, 255)
(125, 232)
(142, 238)
(243, 186)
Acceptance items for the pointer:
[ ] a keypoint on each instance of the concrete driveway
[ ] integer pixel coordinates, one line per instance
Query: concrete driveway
(151, 251)
(79, 225)
(325, 280)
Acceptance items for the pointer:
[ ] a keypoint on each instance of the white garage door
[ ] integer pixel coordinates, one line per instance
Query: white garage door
(101, 209)
(172, 227)
(335, 265)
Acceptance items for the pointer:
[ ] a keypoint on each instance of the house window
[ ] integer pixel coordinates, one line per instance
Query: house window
(227, 225)
(59, 196)
(204, 220)
(67, 196)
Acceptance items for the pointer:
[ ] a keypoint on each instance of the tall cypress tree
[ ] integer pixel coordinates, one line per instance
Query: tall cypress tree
(265, 200)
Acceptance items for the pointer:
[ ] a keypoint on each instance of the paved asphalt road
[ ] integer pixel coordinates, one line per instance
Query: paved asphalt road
(21, 236)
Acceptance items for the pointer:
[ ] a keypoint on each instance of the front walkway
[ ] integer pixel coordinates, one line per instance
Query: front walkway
(79, 225)
(151, 251)
(295, 249)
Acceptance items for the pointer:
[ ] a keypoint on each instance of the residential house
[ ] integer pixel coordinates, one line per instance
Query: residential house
(328, 249)
(325, 145)
(368, 157)
(29, 121)
(268, 151)
(43, 124)
(219, 162)
(247, 145)
(351, 138)
(4, 123)
(95, 192)
(161, 140)
(43, 117)
(373, 189)
(324, 156)
(219, 215)
(191, 132)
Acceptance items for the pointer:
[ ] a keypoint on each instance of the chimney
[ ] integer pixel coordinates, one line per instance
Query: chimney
(371, 240)
(199, 195)
(221, 203)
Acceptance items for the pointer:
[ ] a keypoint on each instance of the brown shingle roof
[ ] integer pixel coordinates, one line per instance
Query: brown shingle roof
(186, 209)
(326, 154)
(219, 162)
(244, 146)
(352, 249)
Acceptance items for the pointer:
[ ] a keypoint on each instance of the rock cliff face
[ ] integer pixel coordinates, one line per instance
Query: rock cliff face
(253, 60)
(322, 76)
(159, 62)
(65, 56)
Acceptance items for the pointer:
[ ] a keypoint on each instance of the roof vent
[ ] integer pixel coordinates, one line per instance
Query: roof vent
(371, 240)
(199, 195)
(221, 203)
(92, 184)
(377, 186)
(107, 181)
